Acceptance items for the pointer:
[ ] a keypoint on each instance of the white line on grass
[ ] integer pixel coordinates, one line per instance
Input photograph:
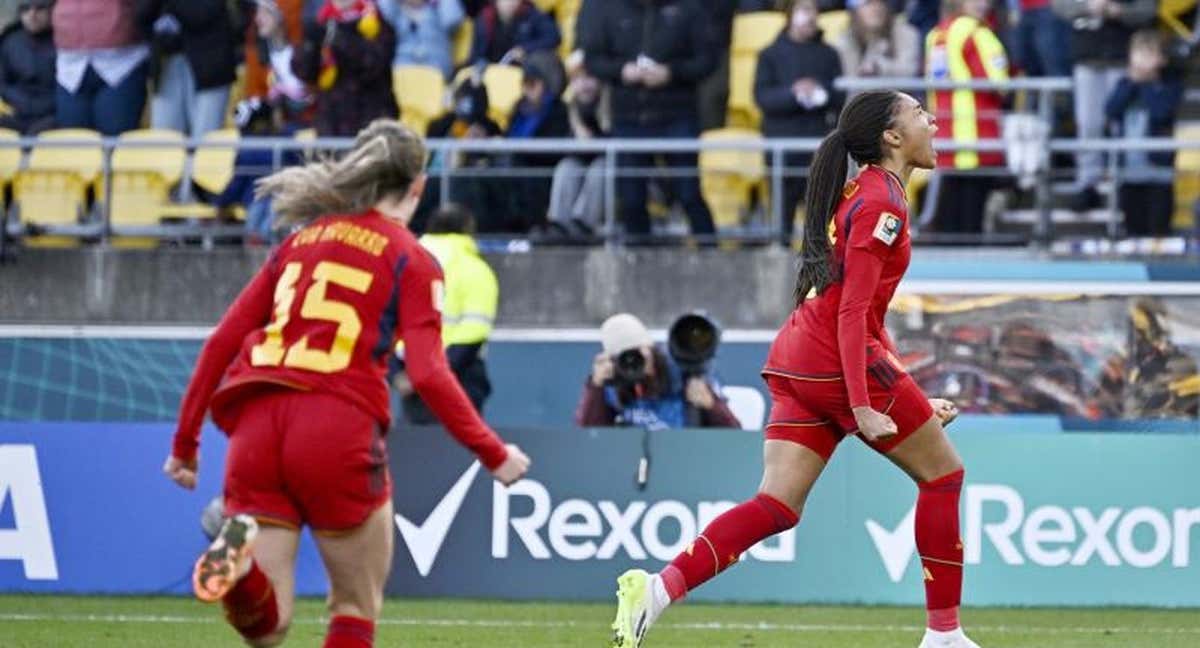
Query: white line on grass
(715, 625)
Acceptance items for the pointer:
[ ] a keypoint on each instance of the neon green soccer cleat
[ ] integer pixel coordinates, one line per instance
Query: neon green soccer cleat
(635, 613)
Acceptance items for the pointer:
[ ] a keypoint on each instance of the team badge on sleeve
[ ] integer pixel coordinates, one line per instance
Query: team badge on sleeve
(888, 228)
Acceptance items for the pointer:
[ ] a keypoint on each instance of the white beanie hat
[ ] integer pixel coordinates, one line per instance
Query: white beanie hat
(623, 332)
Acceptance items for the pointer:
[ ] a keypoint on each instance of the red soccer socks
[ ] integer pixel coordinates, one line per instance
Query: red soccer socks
(724, 540)
(350, 632)
(250, 606)
(941, 549)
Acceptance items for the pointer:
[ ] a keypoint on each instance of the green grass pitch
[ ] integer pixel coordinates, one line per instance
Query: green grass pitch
(102, 622)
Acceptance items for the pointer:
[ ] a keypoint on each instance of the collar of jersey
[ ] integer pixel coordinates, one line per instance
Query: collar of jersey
(891, 176)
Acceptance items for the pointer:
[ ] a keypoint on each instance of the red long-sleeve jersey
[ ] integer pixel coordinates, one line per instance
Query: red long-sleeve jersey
(323, 315)
(837, 333)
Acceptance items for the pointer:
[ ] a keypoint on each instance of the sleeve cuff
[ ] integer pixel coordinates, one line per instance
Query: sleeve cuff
(493, 455)
(184, 449)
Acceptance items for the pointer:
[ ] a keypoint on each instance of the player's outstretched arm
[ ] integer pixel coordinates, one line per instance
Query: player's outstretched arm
(425, 361)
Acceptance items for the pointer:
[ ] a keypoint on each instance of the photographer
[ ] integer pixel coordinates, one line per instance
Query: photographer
(636, 383)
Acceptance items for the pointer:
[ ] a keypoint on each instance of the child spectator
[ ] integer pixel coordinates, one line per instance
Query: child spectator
(1100, 36)
(1145, 104)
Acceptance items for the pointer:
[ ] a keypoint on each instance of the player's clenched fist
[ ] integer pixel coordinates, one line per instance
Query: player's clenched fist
(873, 425)
(514, 467)
(945, 410)
(181, 473)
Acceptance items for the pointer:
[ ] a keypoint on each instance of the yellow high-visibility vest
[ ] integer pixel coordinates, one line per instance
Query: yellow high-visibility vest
(961, 49)
(472, 292)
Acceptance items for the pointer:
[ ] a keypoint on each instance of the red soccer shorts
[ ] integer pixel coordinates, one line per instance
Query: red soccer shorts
(300, 458)
(814, 411)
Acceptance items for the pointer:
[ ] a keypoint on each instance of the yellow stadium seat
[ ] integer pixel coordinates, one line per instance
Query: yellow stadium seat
(1187, 177)
(728, 176)
(142, 177)
(503, 83)
(420, 91)
(166, 161)
(742, 110)
(5, 109)
(464, 41)
(832, 25)
(212, 166)
(753, 31)
(10, 156)
(84, 158)
(52, 191)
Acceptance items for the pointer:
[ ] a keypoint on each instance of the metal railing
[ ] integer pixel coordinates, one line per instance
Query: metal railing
(774, 150)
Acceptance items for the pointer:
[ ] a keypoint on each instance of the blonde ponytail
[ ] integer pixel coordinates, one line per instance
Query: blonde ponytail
(387, 157)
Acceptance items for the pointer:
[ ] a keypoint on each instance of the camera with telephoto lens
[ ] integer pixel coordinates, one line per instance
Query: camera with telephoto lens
(692, 342)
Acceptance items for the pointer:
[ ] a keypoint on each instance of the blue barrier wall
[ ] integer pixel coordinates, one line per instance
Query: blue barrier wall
(114, 522)
(1047, 519)
(535, 384)
(100, 379)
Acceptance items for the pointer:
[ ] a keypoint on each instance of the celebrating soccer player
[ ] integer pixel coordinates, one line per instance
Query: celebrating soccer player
(833, 370)
(294, 374)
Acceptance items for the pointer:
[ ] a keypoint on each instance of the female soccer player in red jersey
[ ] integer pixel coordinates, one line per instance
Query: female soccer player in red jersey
(832, 371)
(294, 374)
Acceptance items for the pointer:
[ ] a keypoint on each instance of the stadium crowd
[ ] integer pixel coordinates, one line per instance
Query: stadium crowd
(594, 69)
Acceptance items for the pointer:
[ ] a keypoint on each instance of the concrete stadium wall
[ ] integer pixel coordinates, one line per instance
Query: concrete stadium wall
(568, 287)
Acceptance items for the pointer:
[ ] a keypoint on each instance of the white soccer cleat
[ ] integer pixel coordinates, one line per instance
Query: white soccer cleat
(638, 607)
(227, 559)
(953, 639)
